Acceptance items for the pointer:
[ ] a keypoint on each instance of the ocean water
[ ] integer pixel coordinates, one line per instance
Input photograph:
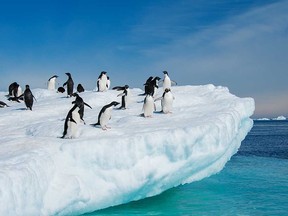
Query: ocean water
(253, 182)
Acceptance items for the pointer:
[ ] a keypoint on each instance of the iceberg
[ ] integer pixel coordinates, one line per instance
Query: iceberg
(41, 174)
(263, 119)
(280, 118)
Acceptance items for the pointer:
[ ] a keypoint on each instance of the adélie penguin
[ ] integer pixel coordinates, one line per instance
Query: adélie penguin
(102, 82)
(14, 90)
(3, 104)
(166, 101)
(80, 102)
(72, 121)
(147, 85)
(51, 85)
(125, 95)
(28, 97)
(151, 86)
(167, 82)
(80, 88)
(70, 85)
(148, 106)
(105, 115)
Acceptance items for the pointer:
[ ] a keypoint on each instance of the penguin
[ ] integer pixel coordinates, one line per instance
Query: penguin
(11, 88)
(81, 105)
(80, 88)
(146, 86)
(52, 83)
(61, 90)
(152, 86)
(70, 85)
(28, 98)
(102, 82)
(167, 82)
(2, 104)
(14, 89)
(105, 115)
(167, 101)
(72, 121)
(125, 95)
(148, 106)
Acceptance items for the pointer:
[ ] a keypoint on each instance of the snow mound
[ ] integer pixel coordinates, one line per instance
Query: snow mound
(138, 157)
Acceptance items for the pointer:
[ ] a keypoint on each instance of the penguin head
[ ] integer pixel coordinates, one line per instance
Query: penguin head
(165, 72)
(126, 86)
(75, 94)
(61, 89)
(114, 103)
(157, 78)
(167, 90)
(27, 86)
(68, 74)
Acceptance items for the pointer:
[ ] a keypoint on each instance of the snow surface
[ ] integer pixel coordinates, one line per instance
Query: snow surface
(41, 174)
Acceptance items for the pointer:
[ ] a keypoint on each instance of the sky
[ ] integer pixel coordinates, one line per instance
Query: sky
(240, 44)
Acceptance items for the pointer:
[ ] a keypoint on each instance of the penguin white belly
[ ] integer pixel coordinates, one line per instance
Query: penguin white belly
(166, 83)
(148, 106)
(72, 126)
(127, 98)
(51, 84)
(19, 91)
(167, 102)
(108, 83)
(103, 84)
(105, 117)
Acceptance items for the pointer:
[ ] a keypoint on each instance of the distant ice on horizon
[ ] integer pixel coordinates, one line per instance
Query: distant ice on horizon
(263, 119)
(280, 118)
(41, 174)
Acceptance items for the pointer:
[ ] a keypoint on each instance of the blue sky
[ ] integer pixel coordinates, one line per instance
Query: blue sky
(240, 44)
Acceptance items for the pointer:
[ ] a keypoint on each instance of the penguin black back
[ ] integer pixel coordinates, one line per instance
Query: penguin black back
(80, 88)
(69, 117)
(80, 103)
(70, 84)
(13, 89)
(61, 89)
(28, 97)
(104, 108)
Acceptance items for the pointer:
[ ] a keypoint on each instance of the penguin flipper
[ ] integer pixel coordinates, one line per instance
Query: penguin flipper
(173, 82)
(72, 120)
(87, 105)
(157, 99)
(122, 94)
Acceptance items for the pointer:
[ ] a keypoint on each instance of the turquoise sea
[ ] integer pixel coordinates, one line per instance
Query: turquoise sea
(253, 182)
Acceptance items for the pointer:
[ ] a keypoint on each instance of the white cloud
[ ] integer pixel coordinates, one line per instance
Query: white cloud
(247, 52)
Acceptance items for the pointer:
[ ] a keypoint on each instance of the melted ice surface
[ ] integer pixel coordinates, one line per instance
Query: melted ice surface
(138, 157)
